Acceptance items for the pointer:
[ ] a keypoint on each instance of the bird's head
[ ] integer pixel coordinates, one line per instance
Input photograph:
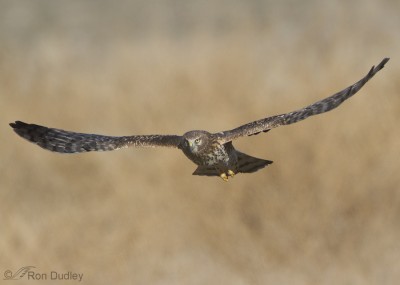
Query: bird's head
(195, 141)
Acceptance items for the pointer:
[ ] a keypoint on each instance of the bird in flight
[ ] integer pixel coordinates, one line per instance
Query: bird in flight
(213, 153)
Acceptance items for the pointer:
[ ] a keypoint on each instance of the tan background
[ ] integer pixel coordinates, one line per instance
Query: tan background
(326, 212)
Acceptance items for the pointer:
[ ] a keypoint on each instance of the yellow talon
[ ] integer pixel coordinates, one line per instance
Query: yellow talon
(231, 173)
(224, 177)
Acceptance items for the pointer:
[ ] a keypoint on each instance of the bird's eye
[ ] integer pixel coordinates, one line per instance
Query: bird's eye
(197, 141)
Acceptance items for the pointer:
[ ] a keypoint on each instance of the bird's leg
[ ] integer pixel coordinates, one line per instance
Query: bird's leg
(231, 173)
(223, 176)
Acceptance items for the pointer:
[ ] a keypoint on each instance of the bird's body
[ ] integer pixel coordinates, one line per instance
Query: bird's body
(214, 153)
(214, 158)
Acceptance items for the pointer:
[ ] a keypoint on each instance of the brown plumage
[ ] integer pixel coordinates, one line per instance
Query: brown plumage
(213, 153)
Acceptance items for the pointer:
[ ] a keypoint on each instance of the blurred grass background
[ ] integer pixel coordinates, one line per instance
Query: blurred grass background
(326, 212)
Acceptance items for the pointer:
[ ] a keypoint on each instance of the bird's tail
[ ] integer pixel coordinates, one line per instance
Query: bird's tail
(249, 164)
(206, 171)
(246, 164)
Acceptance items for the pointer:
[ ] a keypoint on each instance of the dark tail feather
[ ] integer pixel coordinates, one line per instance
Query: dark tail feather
(246, 164)
(249, 164)
(206, 171)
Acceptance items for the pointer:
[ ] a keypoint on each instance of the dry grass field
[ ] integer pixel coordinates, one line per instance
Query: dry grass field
(326, 212)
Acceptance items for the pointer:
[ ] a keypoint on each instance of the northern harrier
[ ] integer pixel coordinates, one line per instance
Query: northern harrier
(213, 153)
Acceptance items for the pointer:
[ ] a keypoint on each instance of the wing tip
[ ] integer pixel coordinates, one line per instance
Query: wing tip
(374, 69)
(18, 124)
(381, 64)
(19, 127)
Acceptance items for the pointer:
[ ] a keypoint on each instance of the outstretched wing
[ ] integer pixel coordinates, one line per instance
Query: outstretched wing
(71, 142)
(319, 107)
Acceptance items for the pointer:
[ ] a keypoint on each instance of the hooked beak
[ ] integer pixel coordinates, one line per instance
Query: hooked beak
(190, 143)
